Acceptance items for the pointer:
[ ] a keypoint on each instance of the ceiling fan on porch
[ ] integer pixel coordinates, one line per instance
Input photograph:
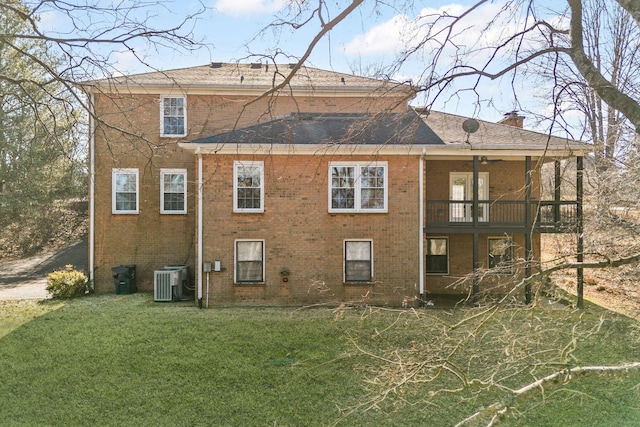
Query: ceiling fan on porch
(485, 161)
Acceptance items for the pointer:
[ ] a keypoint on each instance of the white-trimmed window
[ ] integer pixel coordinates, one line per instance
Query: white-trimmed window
(437, 255)
(500, 254)
(249, 256)
(124, 194)
(248, 186)
(173, 191)
(173, 116)
(358, 261)
(358, 187)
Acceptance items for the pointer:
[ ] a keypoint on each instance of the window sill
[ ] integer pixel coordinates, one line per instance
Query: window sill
(249, 284)
(358, 283)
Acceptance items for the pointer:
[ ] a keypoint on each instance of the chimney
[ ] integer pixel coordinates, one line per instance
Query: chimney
(513, 119)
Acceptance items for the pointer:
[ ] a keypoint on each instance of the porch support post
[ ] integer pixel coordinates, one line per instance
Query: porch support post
(474, 215)
(529, 227)
(556, 193)
(580, 245)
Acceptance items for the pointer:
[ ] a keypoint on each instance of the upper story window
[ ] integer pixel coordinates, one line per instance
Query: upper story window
(358, 261)
(358, 187)
(173, 116)
(124, 194)
(173, 191)
(248, 186)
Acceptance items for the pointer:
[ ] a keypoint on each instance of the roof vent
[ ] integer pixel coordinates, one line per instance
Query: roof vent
(216, 65)
(256, 65)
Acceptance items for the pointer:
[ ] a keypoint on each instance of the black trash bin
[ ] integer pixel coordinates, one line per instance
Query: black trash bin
(124, 278)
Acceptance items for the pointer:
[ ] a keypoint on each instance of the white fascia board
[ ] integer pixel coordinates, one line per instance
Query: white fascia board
(510, 150)
(429, 151)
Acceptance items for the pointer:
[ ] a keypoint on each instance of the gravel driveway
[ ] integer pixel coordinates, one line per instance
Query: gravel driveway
(26, 278)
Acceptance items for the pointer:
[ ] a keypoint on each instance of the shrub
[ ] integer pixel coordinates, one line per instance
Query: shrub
(67, 283)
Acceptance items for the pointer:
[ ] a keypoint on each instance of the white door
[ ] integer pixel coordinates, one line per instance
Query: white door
(461, 188)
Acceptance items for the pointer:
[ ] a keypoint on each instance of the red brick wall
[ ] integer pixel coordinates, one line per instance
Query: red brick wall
(128, 136)
(303, 237)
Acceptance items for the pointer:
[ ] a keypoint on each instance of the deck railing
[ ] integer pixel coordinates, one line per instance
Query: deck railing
(543, 216)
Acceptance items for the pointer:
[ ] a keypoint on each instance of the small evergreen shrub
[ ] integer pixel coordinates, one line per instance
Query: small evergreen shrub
(67, 283)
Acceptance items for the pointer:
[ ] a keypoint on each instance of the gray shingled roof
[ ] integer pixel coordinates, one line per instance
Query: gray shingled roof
(333, 128)
(248, 76)
(494, 135)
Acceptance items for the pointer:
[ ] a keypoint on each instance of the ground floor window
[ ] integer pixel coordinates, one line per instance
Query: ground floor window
(500, 254)
(249, 255)
(437, 255)
(358, 261)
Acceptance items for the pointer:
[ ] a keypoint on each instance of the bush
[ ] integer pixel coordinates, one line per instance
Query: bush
(67, 283)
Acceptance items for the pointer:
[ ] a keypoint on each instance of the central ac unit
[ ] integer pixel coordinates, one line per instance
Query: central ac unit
(166, 284)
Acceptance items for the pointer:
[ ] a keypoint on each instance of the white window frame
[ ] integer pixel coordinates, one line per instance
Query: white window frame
(236, 261)
(448, 255)
(506, 268)
(236, 166)
(162, 116)
(114, 179)
(462, 212)
(357, 187)
(163, 173)
(344, 260)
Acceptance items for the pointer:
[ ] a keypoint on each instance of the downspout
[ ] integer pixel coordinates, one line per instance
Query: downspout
(199, 237)
(92, 174)
(421, 224)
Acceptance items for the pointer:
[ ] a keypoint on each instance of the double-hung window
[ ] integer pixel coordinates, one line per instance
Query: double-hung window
(437, 257)
(358, 187)
(173, 116)
(500, 254)
(124, 191)
(173, 191)
(248, 186)
(358, 261)
(249, 255)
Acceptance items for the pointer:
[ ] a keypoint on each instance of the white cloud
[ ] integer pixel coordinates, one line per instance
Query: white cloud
(401, 32)
(238, 8)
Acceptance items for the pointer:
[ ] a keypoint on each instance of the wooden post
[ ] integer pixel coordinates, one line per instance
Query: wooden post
(556, 193)
(580, 243)
(474, 210)
(529, 227)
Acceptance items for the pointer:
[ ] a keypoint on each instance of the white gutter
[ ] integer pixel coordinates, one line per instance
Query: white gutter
(199, 237)
(92, 172)
(421, 223)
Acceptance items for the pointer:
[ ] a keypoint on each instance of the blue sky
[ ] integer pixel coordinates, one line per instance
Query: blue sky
(371, 37)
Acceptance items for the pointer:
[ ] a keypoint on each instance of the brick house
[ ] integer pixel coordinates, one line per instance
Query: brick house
(332, 189)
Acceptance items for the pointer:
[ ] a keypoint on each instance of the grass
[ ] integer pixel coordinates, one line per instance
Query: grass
(124, 361)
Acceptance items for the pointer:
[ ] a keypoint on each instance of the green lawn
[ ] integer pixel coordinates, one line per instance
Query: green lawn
(127, 361)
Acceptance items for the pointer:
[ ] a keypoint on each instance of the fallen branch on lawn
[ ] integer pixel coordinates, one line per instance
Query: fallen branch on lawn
(493, 412)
